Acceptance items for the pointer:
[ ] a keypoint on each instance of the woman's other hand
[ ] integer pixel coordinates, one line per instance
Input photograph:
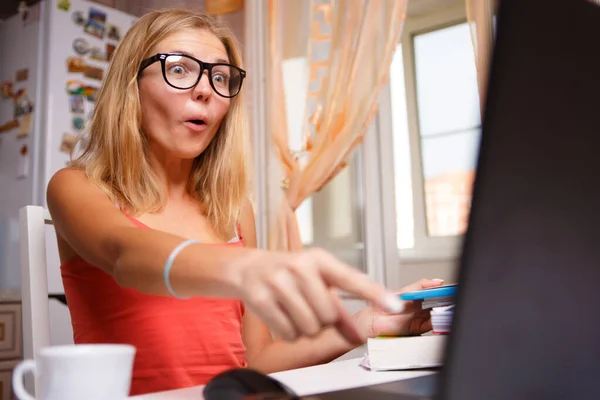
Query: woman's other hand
(413, 320)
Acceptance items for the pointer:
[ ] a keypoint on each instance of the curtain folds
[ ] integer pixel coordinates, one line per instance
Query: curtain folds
(349, 53)
(480, 17)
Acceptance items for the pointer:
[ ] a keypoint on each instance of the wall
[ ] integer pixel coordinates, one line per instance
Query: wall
(432, 269)
(19, 49)
(234, 20)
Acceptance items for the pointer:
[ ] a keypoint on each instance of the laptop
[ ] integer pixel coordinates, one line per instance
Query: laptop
(527, 320)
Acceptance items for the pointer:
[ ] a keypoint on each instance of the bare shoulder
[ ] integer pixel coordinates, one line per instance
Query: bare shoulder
(65, 179)
(70, 188)
(66, 175)
(70, 192)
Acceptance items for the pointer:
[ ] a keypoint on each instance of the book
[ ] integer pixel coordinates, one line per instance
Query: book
(404, 353)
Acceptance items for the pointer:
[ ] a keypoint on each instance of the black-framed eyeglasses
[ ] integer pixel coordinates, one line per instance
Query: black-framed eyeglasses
(181, 71)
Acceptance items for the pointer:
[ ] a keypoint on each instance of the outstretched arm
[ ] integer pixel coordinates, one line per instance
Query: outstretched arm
(287, 291)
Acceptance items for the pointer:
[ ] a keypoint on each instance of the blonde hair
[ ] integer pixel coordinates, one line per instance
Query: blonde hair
(116, 156)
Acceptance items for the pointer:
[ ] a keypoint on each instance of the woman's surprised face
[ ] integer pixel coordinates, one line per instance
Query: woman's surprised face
(182, 122)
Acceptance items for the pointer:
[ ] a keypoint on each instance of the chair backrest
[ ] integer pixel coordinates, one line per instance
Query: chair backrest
(34, 279)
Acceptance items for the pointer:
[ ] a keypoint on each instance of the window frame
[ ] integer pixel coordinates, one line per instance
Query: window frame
(425, 248)
(256, 56)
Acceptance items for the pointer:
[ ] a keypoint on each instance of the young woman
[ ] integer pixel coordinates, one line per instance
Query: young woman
(156, 234)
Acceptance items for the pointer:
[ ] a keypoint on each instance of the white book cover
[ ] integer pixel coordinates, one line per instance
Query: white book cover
(403, 353)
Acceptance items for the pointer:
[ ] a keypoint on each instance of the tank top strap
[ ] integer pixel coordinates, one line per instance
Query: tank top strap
(238, 231)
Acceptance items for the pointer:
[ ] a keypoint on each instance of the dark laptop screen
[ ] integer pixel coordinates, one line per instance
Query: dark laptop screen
(527, 324)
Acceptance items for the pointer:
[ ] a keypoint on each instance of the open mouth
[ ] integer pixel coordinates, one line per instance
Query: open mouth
(197, 122)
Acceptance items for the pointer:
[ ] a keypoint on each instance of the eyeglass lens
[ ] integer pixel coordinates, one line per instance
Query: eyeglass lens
(183, 72)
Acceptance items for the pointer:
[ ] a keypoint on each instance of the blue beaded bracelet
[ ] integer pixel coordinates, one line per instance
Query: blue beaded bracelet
(169, 263)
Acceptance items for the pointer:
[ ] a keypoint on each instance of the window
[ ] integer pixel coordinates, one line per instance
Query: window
(435, 120)
(449, 125)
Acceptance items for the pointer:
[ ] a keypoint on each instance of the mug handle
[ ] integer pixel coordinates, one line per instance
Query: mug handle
(17, 379)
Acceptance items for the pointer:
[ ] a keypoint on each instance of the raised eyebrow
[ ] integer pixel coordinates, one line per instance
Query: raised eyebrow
(186, 53)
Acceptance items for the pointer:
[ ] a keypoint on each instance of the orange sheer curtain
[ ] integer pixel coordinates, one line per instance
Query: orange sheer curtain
(218, 7)
(350, 47)
(480, 16)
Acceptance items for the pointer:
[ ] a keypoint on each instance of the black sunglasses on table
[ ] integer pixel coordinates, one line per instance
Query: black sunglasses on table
(182, 71)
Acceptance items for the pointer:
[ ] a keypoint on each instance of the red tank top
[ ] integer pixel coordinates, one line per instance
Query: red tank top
(180, 343)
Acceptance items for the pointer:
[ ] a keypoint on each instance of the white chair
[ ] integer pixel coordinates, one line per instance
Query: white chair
(34, 279)
(34, 283)
(37, 308)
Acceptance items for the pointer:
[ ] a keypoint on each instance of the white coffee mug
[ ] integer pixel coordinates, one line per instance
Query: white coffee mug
(78, 372)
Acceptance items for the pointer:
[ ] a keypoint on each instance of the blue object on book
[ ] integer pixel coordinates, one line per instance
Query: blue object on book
(439, 291)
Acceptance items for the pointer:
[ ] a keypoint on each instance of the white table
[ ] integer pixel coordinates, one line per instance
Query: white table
(311, 380)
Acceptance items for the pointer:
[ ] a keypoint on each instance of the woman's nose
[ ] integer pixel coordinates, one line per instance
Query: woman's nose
(202, 90)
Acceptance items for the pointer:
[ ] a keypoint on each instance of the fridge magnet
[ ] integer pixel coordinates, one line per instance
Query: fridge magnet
(78, 123)
(76, 88)
(98, 54)
(75, 64)
(81, 46)
(25, 125)
(63, 5)
(22, 74)
(93, 72)
(78, 18)
(95, 24)
(114, 33)
(22, 104)
(110, 49)
(6, 89)
(10, 125)
(77, 105)
(91, 93)
(23, 165)
(67, 143)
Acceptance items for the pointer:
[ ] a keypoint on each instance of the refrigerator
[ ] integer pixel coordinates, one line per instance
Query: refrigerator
(54, 59)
